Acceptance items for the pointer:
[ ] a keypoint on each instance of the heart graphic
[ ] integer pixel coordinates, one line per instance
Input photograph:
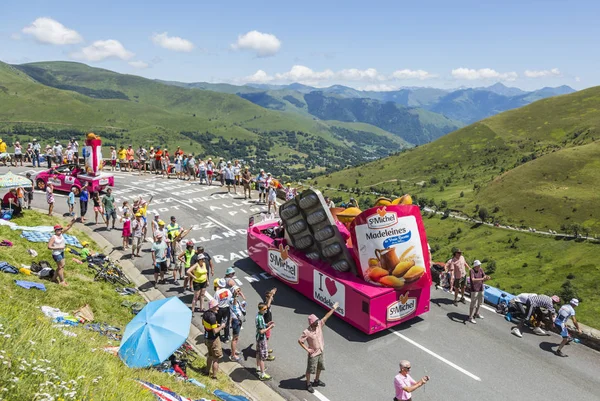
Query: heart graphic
(331, 286)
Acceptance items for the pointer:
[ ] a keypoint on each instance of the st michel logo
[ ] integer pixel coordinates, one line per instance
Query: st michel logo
(382, 219)
(282, 265)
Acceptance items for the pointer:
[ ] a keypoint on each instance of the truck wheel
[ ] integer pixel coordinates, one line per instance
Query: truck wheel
(76, 190)
(40, 184)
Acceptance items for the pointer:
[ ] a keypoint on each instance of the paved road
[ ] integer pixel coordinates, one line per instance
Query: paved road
(464, 360)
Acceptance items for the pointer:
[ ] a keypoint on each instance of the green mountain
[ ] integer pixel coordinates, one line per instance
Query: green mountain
(537, 166)
(59, 99)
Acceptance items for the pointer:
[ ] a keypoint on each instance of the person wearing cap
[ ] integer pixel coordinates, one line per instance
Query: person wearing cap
(84, 198)
(238, 313)
(535, 302)
(49, 154)
(159, 258)
(230, 280)
(477, 276)
(237, 172)
(108, 202)
(113, 159)
(246, 180)
(229, 175)
(404, 384)
(290, 192)
(37, 150)
(457, 266)
(313, 343)
(201, 252)
(186, 258)
(211, 338)
(198, 275)
(261, 179)
(57, 244)
(272, 196)
(352, 203)
(142, 155)
(178, 247)
(565, 313)
(262, 345)
(224, 296)
(122, 158)
(210, 170)
(137, 232)
(75, 149)
(50, 198)
(173, 230)
(18, 153)
(70, 154)
(11, 201)
(57, 150)
(269, 297)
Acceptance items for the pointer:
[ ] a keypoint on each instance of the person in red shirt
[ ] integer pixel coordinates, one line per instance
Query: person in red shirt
(165, 162)
(158, 160)
(11, 201)
(130, 157)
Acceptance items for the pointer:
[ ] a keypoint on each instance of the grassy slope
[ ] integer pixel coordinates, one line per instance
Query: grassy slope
(544, 274)
(483, 154)
(70, 358)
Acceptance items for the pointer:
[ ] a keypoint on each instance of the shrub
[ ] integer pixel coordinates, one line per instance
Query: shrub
(462, 194)
(491, 267)
(525, 264)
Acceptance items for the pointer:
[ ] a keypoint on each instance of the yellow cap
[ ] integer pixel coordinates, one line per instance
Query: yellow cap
(161, 223)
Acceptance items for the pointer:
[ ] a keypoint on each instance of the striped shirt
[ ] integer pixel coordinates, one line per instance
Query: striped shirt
(540, 301)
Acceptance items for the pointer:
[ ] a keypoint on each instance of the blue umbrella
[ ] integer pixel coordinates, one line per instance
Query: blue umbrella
(155, 333)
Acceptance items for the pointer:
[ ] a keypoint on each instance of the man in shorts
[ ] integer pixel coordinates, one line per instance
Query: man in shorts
(109, 208)
(313, 337)
(159, 258)
(212, 339)
(137, 232)
(229, 177)
(457, 266)
(262, 346)
(565, 313)
(130, 157)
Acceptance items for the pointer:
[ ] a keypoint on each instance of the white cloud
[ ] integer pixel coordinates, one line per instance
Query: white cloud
(483, 74)
(354, 74)
(259, 77)
(47, 30)
(577, 79)
(103, 49)
(555, 72)
(379, 88)
(305, 75)
(263, 44)
(412, 74)
(172, 42)
(138, 64)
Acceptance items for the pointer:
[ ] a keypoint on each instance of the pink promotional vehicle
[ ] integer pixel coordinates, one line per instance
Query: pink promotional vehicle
(69, 176)
(378, 270)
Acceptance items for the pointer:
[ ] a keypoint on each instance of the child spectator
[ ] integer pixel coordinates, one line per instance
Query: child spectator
(262, 347)
(126, 234)
(71, 202)
(269, 296)
(238, 311)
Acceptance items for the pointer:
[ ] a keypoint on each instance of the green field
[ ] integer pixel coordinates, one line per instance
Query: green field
(37, 358)
(525, 262)
(536, 166)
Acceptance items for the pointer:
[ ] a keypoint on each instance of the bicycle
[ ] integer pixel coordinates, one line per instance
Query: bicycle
(109, 271)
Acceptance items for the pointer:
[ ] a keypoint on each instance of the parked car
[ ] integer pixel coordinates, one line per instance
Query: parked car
(67, 176)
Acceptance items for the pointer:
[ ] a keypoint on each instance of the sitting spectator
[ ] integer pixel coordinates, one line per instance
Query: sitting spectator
(10, 201)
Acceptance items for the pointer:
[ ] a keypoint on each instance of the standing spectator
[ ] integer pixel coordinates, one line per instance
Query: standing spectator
(315, 344)
(220, 167)
(126, 233)
(290, 192)
(113, 158)
(178, 246)
(75, 148)
(142, 154)
(109, 208)
(224, 296)
(238, 311)
(237, 172)
(198, 275)
(37, 150)
(130, 154)
(534, 302)
(246, 178)
(57, 244)
(261, 179)
(202, 172)
(29, 191)
(97, 206)
(191, 166)
(57, 149)
(18, 154)
(154, 225)
(70, 154)
(166, 162)
(178, 166)
(122, 158)
(269, 296)
(158, 154)
(564, 313)
(230, 281)
(159, 259)
(186, 259)
(49, 155)
(272, 196)
(404, 384)
(50, 198)
(211, 338)
(137, 231)
(210, 169)
(173, 231)
(71, 202)
(229, 177)
(329, 202)
(200, 250)
(84, 197)
(29, 153)
(457, 266)
(477, 276)
(262, 346)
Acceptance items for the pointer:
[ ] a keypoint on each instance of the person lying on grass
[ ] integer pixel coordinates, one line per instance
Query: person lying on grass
(57, 244)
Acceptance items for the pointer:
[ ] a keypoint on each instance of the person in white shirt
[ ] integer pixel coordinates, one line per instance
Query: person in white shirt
(202, 172)
(237, 172)
(75, 147)
(565, 313)
(229, 176)
(272, 195)
(58, 153)
(18, 153)
(37, 150)
(70, 154)
(224, 297)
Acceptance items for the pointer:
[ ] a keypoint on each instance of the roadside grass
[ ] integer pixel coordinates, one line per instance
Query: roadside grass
(525, 262)
(38, 361)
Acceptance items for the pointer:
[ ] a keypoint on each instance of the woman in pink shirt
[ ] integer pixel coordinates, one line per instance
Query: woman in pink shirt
(404, 384)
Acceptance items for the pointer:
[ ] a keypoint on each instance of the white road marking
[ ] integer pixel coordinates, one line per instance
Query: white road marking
(320, 396)
(441, 358)
(483, 305)
(220, 224)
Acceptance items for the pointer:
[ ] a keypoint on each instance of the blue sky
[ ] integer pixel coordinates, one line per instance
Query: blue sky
(369, 45)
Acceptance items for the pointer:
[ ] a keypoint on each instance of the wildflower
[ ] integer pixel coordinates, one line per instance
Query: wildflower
(7, 336)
